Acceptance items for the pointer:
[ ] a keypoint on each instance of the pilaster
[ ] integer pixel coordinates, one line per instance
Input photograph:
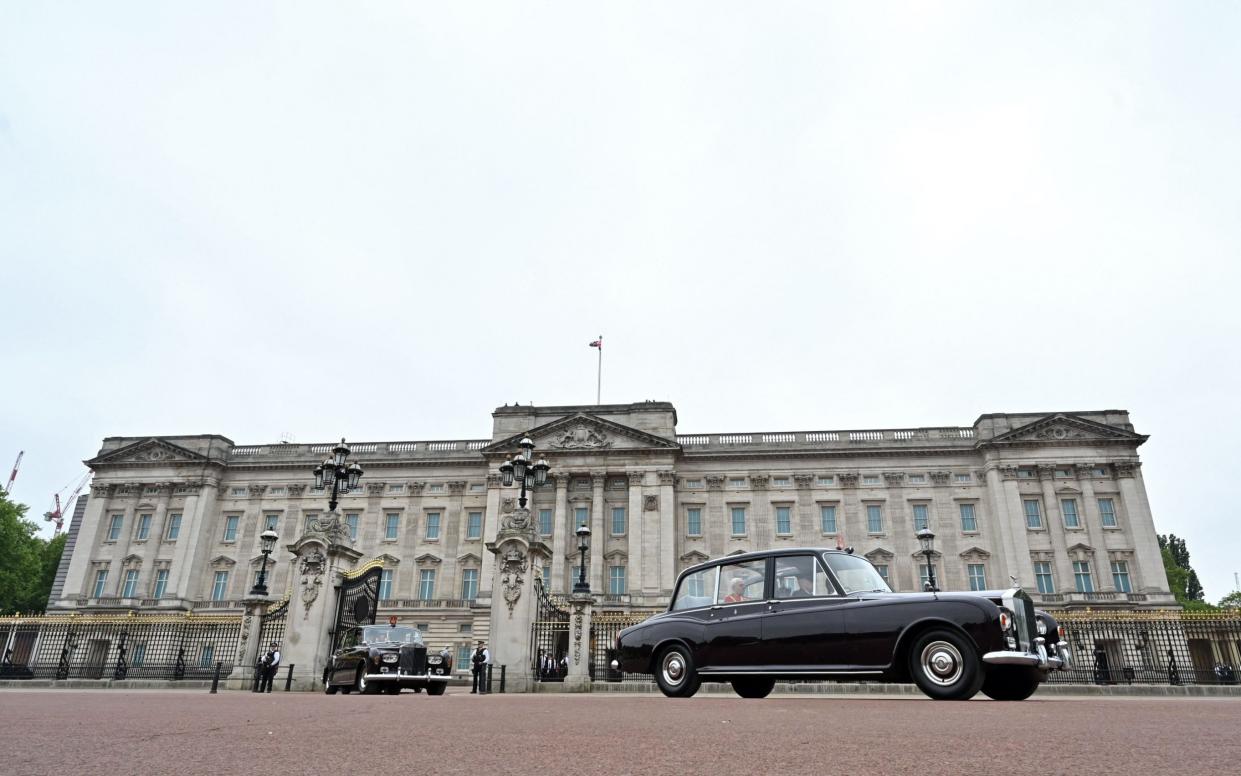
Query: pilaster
(667, 531)
(597, 528)
(562, 531)
(581, 609)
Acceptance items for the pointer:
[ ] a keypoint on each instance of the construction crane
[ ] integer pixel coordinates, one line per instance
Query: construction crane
(56, 516)
(9, 488)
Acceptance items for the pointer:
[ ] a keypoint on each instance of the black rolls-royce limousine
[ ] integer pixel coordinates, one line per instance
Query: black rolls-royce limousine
(386, 658)
(828, 614)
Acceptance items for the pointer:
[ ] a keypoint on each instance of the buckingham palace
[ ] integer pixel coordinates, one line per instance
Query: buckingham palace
(1054, 501)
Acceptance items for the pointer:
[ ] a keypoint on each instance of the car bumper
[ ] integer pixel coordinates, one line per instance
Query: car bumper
(396, 677)
(1048, 660)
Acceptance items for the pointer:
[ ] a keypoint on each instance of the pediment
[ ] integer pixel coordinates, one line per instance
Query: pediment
(1061, 429)
(427, 557)
(1069, 489)
(223, 560)
(132, 560)
(694, 557)
(879, 553)
(388, 560)
(616, 555)
(975, 552)
(1081, 548)
(469, 557)
(149, 451)
(583, 432)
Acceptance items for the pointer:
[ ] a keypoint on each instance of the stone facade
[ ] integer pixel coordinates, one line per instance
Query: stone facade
(1043, 498)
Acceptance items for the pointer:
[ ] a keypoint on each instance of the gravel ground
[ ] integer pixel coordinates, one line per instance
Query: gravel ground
(83, 733)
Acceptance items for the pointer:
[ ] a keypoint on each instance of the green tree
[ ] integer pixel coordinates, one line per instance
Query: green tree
(1181, 576)
(27, 561)
(1231, 601)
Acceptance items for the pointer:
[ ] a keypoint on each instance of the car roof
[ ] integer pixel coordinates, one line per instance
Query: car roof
(760, 554)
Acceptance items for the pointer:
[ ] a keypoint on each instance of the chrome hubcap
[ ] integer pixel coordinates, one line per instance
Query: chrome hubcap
(942, 663)
(674, 668)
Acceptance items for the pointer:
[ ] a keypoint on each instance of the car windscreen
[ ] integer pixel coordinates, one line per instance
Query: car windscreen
(696, 590)
(856, 575)
(397, 634)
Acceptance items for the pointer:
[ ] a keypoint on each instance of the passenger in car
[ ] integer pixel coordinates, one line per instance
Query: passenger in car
(738, 585)
(805, 587)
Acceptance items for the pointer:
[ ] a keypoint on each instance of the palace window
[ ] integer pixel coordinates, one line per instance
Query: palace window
(870, 479)
(114, 527)
(1042, 576)
(693, 521)
(219, 586)
(917, 479)
(977, 574)
(276, 490)
(616, 580)
(784, 520)
(545, 522)
(144, 527)
(1081, 576)
(469, 584)
(392, 522)
(307, 519)
(426, 584)
(882, 568)
(433, 526)
(780, 482)
(618, 521)
(825, 480)
(920, 517)
(1120, 576)
(351, 522)
(239, 492)
(474, 524)
(1069, 506)
(737, 482)
(130, 588)
(101, 580)
(963, 478)
(230, 527)
(827, 518)
(693, 483)
(385, 584)
(1107, 512)
(161, 583)
(271, 522)
(969, 521)
(174, 526)
(477, 487)
(435, 487)
(738, 526)
(924, 577)
(1034, 515)
(580, 516)
(874, 518)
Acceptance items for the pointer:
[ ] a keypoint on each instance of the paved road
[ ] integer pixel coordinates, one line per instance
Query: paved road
(83, 733)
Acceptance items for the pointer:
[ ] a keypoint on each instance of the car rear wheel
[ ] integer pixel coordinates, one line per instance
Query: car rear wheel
(330, 689)
(437, 688)
(675, 673)
(1011, 683)
(945, 666)
(754, 686)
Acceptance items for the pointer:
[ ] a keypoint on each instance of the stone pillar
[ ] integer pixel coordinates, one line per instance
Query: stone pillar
(1094, 529)
(491, 526)
(760, 530)
(1065, 581)
(1009, 521)
(806, 531)
(196, 538)
(320, 558)
(581, 606)
(78, 577)
(517, 550)
(1140, 525)
(715, 523)
(643, 576)
(242, 677)
(667, 532)
(598, 537)
(562, 531)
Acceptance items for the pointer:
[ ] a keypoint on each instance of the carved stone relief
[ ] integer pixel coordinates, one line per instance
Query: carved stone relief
(715, 482)
(512, 575)
(311, 569)
(581, 436)
(803, 480)
(650, 503)
(848, 479)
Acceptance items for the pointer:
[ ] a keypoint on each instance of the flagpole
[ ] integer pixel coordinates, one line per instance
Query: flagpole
(599, 377)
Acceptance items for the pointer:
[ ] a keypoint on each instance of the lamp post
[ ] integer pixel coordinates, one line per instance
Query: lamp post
(583, 538)
(337, 474)
(522, 468)
(267, 541)
(927, 538)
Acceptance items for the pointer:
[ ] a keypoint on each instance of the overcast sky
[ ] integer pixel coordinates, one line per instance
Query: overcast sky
(383, 220)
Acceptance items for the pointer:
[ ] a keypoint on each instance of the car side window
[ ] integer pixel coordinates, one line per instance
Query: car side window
(801, 576)
(697, 589)
(742, 582)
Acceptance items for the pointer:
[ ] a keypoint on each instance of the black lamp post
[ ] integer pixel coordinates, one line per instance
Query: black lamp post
(583, 538)
(267, 540)
(522, 468)
(927, 538)
(337, 474)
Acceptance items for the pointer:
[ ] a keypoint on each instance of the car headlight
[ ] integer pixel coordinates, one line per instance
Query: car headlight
(1041, 626)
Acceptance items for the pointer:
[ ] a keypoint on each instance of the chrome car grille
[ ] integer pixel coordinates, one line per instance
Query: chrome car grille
(1023, 614)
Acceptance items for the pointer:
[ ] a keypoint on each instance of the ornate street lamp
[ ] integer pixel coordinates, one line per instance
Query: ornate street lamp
(583, 538)
(267, 541)
(927, 538)
(337, 474)
(523, 469)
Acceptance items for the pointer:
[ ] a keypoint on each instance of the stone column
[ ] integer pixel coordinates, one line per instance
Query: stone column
(597, 527)
(517, 549)
(899, 524)
(78, 577)
(581, 606)
(852, 521)
(807, 531)
(320, 560)
(715, 523)
(450, 540)
(667, 532)
(562, 531)
(1141, 527)
(491, 525)
(643, 576)
(761, 528)
(242, 677)
(194, 539)
(1055, 529)
(147, 577)
(1009, 522)
(1094, 529)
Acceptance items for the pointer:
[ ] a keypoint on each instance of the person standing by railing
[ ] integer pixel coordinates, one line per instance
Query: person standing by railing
(271, 664)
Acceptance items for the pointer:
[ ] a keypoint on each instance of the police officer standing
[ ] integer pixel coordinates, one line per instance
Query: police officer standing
(479, 665)
(271, 664)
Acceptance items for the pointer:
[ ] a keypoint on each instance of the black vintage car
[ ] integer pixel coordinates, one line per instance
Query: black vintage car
(386, 658)
(828, 614)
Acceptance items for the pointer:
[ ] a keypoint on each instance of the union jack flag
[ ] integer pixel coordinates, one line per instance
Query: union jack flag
(597, 343)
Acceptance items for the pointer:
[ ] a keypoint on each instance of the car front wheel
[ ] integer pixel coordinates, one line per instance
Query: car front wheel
(360, 684)
(675, 673)
(754, 686)
(330, 689)
(437, 688)
(945, 666)
(1011, 683)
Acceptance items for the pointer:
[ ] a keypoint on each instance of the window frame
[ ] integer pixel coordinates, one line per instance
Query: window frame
(431, 531)
(973, 516)
(693, 520)
(1039, 524)
(787, 530)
